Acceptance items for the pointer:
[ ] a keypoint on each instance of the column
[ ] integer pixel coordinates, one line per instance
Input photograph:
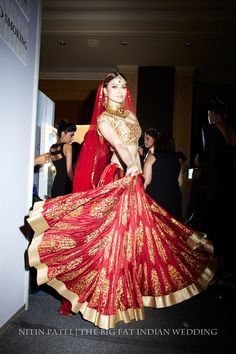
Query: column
(182, 123)
(183, 108)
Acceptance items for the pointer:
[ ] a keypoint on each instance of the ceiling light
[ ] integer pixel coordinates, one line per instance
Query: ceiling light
(62, 43)
(188, 44)
(124, 43)
(94, 43)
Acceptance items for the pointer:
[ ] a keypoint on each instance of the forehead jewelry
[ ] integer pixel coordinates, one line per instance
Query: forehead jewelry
(120, 78)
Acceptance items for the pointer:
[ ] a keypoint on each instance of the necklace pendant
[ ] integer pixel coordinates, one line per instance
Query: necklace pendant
(117, 111)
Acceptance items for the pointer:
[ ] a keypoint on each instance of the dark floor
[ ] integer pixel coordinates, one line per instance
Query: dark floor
(199, 325)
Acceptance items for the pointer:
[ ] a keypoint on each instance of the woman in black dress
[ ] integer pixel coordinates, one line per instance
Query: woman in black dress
(61, 156)
(163, 175)
(150, 137)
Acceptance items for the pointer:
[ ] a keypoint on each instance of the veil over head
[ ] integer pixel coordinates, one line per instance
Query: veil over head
(95, 153)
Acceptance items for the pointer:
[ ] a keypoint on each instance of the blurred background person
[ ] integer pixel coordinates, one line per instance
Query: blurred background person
(183, 161)
(150, 137)
(61, 157)
(76, 147)
(216, 210)
(42, 159)
(163, 175)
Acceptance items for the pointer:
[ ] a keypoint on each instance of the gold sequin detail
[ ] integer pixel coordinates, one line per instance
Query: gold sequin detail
(166, 282)
(69, 277)
(150, 245)
(84, 282)
(111, 250)
(145, 279)
(77, 212)
(119, 294)
(62, 258)
(140, 273)
(124, 211)
(100, 244)
(133, 202)
(130, 289)
(64, 226)
(160, 248)
(176, 277)
(157, 208)
(155, 283)
(128, 245)
(101, 291)
(129, 132)
(186, 271)
(55, 244)
(52, 273)
(95, 233)
(140, 209)
(57, 207)
(100, 208)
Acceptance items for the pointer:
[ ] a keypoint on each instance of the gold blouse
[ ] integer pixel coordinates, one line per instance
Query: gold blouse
(129, 132)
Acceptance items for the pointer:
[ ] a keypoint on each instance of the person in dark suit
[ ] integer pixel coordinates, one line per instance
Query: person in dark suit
(217, 208)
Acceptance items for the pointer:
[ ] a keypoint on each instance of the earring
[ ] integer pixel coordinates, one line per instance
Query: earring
(122, 106)
(105, 103)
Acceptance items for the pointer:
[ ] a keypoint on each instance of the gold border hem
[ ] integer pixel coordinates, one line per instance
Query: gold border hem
(36, 219)
(39, 225)
(199, 239)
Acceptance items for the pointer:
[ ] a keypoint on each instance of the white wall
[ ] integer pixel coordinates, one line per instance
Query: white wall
(46, 137)
(18, 100)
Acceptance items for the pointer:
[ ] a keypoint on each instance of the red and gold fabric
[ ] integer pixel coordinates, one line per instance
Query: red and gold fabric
(112, 250)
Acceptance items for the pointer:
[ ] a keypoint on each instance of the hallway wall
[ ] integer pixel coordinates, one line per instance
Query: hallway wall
(19, 65)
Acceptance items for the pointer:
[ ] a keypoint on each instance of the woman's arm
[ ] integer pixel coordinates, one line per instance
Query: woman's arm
(117, 144)
(41, 159)
(147, 169)
(67, 148)
(180, 178)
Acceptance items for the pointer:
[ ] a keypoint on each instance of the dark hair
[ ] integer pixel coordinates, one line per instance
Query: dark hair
(218, 105)
(165, 143)
(112, 76)
(152, 132)
(76, 147)
(65, 126)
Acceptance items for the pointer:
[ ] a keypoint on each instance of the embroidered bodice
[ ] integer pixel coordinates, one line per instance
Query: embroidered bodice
(129, 132)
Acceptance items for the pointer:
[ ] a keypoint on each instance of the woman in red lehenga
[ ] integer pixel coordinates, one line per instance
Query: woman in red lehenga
(108, 248)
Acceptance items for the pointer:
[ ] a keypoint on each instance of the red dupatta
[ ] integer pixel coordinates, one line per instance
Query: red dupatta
(95, 153)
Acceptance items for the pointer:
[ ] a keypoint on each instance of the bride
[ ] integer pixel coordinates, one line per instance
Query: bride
(108, 248)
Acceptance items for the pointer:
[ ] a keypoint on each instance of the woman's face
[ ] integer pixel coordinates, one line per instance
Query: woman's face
(148, 141)
(213, 117)
(116, 90)
(210, 117)
(67, 137)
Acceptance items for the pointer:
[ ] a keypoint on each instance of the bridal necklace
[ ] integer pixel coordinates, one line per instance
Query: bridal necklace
(117, 111)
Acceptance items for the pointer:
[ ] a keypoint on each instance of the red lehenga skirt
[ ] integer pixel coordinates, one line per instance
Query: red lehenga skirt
(112, 250)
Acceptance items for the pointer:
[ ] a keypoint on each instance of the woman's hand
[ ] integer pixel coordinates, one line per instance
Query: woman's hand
(42, 159)
(132, 170)
(140, 150)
